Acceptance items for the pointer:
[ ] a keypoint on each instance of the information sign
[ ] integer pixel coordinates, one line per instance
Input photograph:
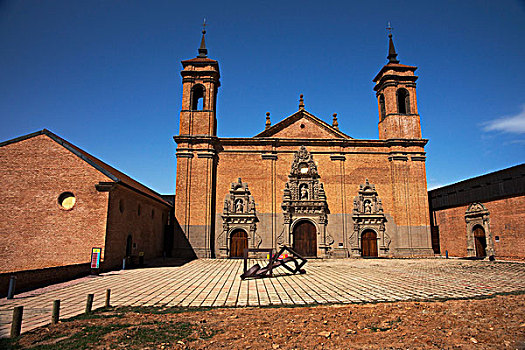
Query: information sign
(95, 257)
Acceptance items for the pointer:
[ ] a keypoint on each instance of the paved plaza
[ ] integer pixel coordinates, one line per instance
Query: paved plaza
(216, 283)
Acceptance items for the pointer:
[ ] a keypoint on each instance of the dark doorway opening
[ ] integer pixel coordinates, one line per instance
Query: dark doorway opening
(305, 239)
(238, 242)
(129, 245)
(369, 244)
(480, 242)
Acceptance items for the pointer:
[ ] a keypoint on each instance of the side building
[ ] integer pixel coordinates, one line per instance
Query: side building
(481, 217)
(57, 202)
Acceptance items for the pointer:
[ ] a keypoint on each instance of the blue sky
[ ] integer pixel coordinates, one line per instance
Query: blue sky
(105, 74)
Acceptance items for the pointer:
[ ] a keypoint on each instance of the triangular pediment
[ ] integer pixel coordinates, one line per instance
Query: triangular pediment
(303, 125)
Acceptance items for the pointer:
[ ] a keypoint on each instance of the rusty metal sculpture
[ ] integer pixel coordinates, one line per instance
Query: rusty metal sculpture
(276, 260)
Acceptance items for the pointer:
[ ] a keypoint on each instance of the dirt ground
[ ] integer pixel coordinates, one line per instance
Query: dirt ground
(493, 323)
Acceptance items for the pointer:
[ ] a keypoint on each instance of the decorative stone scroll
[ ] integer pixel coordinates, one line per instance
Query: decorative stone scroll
(368, 215)
(475, 215)
(304, 198)
(238, 213)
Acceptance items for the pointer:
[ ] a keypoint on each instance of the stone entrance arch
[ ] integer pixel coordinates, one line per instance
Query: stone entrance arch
(479, 237)
(304, 199)
(239, 214)
(368, 216)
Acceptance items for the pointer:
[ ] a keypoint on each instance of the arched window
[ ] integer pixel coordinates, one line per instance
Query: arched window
(382, 106)
(197, 98)
(403, 102)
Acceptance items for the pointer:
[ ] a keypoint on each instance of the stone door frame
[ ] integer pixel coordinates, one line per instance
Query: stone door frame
(477, 215)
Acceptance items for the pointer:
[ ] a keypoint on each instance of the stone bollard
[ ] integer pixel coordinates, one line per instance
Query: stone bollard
(11, 290)
(108, 294)
(16, 325)
(89, 303)
(56, 312)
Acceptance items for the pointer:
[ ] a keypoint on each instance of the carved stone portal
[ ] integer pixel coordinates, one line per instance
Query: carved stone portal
(368, 215)
(239, 213)
(478, 215)
(304, 198)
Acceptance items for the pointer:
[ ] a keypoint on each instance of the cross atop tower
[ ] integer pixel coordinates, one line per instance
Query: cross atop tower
(392, 55)
(203, 52)
(389, 28)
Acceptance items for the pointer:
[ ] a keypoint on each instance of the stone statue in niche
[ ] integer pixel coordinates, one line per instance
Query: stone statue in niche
(239, 213)
(368, 207)
(304, 197)
(239, 206)
(304, 192)
(368, 214)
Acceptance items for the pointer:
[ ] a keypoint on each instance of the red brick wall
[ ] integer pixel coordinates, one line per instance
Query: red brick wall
(35, 232)
(408, 218)
(146, 228)
(506, 222)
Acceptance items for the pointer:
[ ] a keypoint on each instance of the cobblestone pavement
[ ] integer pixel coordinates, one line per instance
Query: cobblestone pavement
(207, 282)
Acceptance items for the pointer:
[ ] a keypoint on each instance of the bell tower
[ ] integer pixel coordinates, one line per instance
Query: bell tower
(200, 83)
(197, 158)
(396, 96)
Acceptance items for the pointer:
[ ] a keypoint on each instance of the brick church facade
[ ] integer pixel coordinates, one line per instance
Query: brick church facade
(302, 182)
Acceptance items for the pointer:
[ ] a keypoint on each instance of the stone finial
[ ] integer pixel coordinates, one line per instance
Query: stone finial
(335, 123)
(268, 122)
(301, 102)
(203, 52)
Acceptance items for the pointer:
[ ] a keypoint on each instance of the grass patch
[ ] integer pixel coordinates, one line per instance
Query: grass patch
(9, 344)
(83, 339)
(157, 333)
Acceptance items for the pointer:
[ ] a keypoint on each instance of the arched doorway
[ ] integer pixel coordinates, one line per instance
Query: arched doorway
(369, 244)
(238, 242)
(305, 239)
(480, 242)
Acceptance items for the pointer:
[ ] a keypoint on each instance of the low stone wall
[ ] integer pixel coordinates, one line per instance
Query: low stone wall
(32, 279)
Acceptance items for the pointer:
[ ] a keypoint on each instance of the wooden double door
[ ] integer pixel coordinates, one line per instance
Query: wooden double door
(305, 239)
(238, 242)
(480, 241)
(369, 244)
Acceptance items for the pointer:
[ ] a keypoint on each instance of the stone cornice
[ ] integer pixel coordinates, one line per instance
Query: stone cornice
(322, 142)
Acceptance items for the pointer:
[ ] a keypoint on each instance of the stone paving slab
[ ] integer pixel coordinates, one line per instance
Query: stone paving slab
(216, 283)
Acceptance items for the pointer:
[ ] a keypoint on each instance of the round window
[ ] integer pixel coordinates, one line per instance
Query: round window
(67, 200)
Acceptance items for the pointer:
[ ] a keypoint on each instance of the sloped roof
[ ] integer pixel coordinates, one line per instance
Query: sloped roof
(96, 163)
(301, 113)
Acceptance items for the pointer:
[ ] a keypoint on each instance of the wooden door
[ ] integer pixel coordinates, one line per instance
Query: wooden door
(238, 242)
(369, 244)
(305, 239)
(480, 242)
